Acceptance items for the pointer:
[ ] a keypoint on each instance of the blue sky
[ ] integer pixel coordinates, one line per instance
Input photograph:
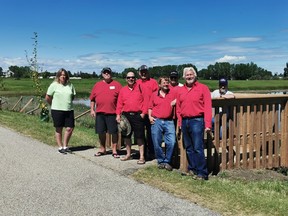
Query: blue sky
(88, 35)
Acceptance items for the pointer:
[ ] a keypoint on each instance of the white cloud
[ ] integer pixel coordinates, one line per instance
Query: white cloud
(227, 58)
(244, 39)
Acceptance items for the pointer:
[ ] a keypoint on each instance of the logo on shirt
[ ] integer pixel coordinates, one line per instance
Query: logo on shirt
(112, 87)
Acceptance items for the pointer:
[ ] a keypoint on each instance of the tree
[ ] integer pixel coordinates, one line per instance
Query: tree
(286, 71)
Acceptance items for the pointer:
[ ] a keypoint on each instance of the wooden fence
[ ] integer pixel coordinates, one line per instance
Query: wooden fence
(254, 134)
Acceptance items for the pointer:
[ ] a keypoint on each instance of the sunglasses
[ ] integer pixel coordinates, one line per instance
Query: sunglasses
(130, 77)
(106, 72)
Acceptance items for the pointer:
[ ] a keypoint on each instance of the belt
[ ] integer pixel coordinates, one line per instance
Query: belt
(132, 113)
(164, 119)
(193, 117)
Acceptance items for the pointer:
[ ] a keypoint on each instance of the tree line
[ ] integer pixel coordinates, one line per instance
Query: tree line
(212, 72)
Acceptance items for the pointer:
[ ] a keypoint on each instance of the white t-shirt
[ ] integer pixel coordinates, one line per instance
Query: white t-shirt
(216, 94)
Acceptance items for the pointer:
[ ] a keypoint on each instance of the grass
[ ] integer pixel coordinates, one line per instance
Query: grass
(84, 86)
(30, 125)
(228, 196)
(221, 194)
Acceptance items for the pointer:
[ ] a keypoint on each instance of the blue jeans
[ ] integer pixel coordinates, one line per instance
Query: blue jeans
(193, 134)
(159, 129)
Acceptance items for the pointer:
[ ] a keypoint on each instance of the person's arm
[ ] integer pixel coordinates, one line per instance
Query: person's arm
(92, 108)
(227, 96)
(151, 119)
(48, 98)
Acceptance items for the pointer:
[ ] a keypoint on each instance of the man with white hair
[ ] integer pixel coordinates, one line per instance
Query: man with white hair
(194, 112)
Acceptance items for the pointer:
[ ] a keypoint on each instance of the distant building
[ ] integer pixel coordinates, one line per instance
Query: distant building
(8, 73)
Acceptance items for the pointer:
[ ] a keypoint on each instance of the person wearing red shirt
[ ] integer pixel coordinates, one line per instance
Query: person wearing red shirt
(148, 86)
(160, 111)
(103, 101)
(194, 112)
(132, 103)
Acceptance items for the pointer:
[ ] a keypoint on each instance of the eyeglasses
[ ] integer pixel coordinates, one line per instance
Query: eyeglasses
(130, 77)
(106, 72)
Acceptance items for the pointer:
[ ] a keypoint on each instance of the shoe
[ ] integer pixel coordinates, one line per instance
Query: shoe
(126, 158)
(161, 166)
(67, 150)
(115, 155)
(62, 151)
(168, 167)
(141, 161)
(199, 177)
(189, 173)
(98, 154)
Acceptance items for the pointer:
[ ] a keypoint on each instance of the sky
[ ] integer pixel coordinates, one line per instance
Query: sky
(88, 35)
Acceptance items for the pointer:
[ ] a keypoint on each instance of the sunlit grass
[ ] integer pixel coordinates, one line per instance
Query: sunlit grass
(221, 194)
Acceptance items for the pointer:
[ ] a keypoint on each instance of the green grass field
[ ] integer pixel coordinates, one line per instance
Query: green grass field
(84, 86)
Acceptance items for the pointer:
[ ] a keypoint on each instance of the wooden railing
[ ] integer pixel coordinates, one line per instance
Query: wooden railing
(254, 134)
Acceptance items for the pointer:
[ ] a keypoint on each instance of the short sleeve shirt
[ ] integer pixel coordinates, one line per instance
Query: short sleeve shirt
(62, 96)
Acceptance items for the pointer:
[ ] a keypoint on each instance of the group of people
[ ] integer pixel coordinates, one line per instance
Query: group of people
(153, 110)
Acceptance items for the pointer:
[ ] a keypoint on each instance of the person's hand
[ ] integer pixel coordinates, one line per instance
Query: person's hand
(173, 103)
(207, 130)
(118, 118)
(151, 119)
(92, 113)
(142, 115)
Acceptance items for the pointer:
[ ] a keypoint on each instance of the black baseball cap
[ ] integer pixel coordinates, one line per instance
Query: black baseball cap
(223, 82)
(106, 69)
(143, 67)
(174, 74)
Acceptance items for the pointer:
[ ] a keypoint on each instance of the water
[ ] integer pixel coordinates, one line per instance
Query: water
(83, 101)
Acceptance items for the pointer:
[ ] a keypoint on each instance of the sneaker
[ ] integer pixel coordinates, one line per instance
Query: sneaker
(68, 150)
(62, 151)
(168, 167)
(201, 178)
(189, 173)
(161, 166)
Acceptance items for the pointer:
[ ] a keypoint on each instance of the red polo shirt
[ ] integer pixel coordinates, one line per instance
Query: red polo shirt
(161, 106)
(132, 100)
(194, 102)
(105, 96)
(148, 86)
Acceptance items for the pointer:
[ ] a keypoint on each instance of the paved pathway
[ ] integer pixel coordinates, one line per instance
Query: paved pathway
(36, 180)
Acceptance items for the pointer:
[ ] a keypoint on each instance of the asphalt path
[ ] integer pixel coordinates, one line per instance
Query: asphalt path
(37, 180)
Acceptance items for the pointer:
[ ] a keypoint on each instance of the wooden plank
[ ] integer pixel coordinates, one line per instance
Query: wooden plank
(20, 99)
(258, 134)
(277, 136)
(245, 137)
(22, 110)
(231, 139)
(224, 142)
(237, 135)
(270, 144)
(284, 137)
(82, 114)
(251, 137)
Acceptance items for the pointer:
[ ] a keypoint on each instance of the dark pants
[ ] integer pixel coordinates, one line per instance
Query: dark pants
(148, 147)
